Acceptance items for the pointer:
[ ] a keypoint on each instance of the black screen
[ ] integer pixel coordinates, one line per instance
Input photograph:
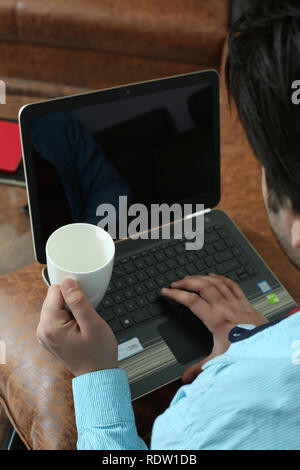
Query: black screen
(160, 147)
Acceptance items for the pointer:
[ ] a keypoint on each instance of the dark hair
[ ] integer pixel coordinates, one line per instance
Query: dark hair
(263, 61)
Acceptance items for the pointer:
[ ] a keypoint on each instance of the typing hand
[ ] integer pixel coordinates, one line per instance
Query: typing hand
(82, 340)
(220, 303)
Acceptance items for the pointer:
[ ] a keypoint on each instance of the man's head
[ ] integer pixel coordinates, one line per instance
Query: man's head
(263, 62)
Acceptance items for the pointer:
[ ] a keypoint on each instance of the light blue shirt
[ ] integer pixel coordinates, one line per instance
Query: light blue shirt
(247, 398)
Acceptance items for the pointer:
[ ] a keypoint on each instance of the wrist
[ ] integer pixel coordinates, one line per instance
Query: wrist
(89, 370)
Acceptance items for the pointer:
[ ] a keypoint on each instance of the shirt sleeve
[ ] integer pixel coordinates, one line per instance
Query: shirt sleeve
(103, 411)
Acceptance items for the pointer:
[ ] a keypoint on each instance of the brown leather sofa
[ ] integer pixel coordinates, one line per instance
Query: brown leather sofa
(49, 48)
(102, 43)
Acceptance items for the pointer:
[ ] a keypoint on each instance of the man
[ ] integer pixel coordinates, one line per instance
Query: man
(246, 396)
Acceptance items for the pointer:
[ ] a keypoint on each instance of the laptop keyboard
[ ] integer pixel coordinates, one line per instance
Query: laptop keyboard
(133, 295)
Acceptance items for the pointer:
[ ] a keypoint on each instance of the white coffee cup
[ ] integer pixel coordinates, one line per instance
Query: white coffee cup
(85, 253)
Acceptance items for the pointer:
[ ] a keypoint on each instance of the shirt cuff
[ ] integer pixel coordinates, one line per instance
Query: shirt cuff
(102, 398)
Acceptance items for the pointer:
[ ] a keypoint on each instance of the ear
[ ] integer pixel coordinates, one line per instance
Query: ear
(295, 232)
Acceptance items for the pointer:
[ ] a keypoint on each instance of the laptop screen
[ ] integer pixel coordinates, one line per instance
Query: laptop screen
(153, 144)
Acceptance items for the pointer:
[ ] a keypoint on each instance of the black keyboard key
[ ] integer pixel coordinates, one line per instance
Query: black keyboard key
(200, 265)
(119, 310)
(150, 285)
(228, 266)
(119, 284)
(172, 264)
(181, 273)
(229, 243)
(149, 260)
(131, 280)
(181, 260)
(115, 325)
(172, 277)
(141, 315)
(223, 234)
(191, 269)
(213, 270)
(211, 238)
(126, 321)
(130, 305)
(153, 297)
(170, 252)
(152, 272)
(141, 301)
(236, 251)
(209, 261)
(225, 256)
(135, 257)
(233, 276)
(220, 246)
(128, 268)
(200, 254)
(140, 289)
(243, 276)
(117, 298)
(162, 268)
(106, 302)
(141, 276)
(139, 264)
(160, 257)
(240, 271)
(129, 293)
(191, 256)
(162, 281)
(107, 314)
(118, 272)
(179, 249)
(209, 250)
(124, 260)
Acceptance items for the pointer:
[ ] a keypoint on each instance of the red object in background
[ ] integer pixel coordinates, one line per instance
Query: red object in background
(10, 146)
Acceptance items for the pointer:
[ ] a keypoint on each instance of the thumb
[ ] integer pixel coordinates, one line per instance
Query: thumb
(83, 311)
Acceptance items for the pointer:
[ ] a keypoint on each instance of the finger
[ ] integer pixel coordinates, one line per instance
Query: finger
(83, 311)
(53, 306)
(191, 300)
(233, 286)
(222, 287)
(200, 284)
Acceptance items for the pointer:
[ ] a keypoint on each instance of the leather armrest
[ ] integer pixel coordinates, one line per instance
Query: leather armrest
(35, 387)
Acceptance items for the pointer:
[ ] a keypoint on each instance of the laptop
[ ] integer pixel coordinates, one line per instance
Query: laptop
(156, 142)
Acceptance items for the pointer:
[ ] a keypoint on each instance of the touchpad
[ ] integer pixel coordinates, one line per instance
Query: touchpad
(186, 336)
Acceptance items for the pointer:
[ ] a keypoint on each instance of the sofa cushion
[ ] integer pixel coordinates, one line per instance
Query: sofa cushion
(8, 23)
(192, 31)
